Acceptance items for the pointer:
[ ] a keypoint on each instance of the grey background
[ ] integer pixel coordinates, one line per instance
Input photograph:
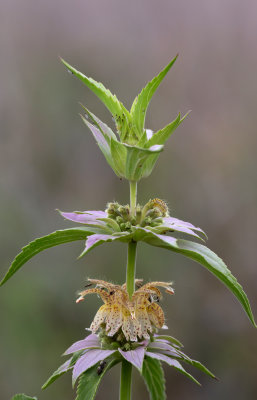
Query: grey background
(207, 173)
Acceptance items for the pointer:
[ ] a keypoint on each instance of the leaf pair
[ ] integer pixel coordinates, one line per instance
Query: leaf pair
(96, 230)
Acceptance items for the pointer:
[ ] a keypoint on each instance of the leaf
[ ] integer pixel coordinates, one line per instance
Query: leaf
(208, 259)
(200, 366)
(67, 366)
(170, 339)
(102, 141)
(141, 102)
(154, 378)
(59, 372)
(45, 242)
(173, 363)
(119, 155)
(162, 135)
(23, 397)
(109, 100)
(90, 380)
(136, 161)
(100, 125)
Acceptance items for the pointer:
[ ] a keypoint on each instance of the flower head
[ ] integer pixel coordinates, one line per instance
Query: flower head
(134, 318)
(150, 224)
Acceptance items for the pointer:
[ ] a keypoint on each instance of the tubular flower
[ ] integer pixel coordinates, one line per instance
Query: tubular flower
(137, 317)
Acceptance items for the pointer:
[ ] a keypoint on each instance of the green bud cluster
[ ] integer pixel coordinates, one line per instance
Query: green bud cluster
(151, 214)
(116, 341)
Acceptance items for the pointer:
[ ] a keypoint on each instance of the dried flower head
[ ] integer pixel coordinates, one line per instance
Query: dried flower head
(138, 316)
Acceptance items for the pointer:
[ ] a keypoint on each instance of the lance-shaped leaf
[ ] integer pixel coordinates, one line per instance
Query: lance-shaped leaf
(104, 128)
(45, 242)
(208, 259)
(172, 363)
(154, 378)
(90, 380)
(58, 373)
(163, 135)
(141, 102)
(109, 100)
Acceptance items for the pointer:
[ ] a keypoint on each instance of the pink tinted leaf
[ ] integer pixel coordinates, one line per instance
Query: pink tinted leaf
(89, 341)
(88, 360)
(135, 357)
(172, 363)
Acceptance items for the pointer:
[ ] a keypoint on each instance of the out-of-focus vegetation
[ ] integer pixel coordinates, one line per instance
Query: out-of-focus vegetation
(207, 173)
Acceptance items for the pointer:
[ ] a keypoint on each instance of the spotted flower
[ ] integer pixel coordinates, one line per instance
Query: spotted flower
(137, 317)
(151, 224)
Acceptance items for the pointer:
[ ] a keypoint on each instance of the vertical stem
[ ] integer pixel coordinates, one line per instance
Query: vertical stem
(126, 367)
(133, 197)
(131, 267)
(125, 380)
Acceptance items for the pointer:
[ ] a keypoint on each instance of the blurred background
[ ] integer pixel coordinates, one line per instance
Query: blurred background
(48, 160)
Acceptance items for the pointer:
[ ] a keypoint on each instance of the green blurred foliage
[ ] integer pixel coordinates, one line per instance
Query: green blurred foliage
(207, 174)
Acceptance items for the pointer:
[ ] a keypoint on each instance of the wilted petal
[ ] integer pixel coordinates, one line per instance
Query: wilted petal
(114, 319)
(156, 315)
(100, 317)
(89, 341)
(89, 359)
(135, 357)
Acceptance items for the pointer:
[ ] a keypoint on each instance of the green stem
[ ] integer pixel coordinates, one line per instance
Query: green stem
(126, 367)
(125, 380)
(131, 267)
(133, 197)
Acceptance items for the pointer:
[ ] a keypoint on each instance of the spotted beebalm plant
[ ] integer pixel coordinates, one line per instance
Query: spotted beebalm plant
(125, 329)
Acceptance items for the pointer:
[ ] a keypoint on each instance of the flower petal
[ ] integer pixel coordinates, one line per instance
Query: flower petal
(135, 357)
(89, 341)
(89, 359)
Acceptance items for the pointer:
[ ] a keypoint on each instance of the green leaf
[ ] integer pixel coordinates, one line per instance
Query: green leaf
(102, 141)
(40, 244)
(67, 366)
(23, 397)
(170, 339)
(90, 380)
(141, 102)
(109, 100)
(106, 131)
(208, 259)
(162, 135)
(59, 372)
(200, 366)
(137, 159)
(154, 378)
(119, 155)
